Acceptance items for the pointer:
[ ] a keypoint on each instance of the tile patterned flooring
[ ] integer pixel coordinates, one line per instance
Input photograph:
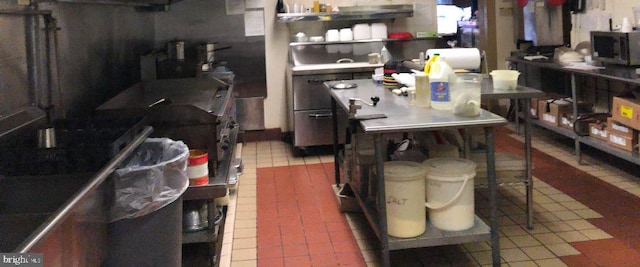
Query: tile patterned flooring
(283, 213)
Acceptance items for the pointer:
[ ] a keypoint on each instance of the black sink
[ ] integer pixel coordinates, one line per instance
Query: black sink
(27, 201)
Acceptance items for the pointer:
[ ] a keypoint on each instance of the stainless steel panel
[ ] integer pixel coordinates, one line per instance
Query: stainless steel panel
(250, 113)
(308, 92)
(188, 101)
(313, 127)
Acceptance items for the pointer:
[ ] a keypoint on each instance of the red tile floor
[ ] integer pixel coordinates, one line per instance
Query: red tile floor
(299, 221)
(586, 215)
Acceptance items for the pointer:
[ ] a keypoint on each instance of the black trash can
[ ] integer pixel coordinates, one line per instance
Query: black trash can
(146, 213)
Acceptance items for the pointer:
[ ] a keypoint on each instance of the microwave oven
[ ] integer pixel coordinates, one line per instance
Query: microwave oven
(616, 47)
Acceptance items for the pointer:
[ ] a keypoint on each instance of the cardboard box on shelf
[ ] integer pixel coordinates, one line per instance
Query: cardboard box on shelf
(534, 110)
(599, 130)
(619, 128)
(626, 111)
(551, 110)
(622, 142)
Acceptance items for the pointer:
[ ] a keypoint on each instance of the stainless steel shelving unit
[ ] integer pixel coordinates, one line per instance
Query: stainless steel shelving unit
(351, 13)
(401, 117)
(624, 74)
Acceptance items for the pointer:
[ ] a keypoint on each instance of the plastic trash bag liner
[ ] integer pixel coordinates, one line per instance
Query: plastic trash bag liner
(152, 177)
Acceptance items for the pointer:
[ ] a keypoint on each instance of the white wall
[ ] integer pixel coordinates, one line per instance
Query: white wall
(616, 9)
(277, 40)
(504, 31)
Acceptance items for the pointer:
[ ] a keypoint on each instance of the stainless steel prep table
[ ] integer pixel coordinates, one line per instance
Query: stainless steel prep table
(525, 94)
(401, 117)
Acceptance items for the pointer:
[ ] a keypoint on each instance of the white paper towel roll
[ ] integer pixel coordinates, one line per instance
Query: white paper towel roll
(459, 58)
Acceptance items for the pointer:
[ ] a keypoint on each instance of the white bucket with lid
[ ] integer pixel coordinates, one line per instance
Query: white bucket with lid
(450, 193)
(404, 191)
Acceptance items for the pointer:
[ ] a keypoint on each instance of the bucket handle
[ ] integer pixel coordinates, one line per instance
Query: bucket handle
(464, 184)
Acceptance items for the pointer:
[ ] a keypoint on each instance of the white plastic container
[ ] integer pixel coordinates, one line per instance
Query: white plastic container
(386, 55)
(450, 193)
(505, 79)
(361, 31)
(378, 31)
(439, 82)
(404, 191)
(346, 34)
(466, 93)
(332, 35)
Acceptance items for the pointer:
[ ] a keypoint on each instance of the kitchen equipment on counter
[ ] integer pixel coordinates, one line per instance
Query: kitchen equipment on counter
(194, 216)
(616, 47)
(207, 52)
(176, 50)
(202, 115)
(47, 137)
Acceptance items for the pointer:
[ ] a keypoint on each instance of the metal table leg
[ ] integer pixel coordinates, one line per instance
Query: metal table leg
(493, 201)
(528, 163)
(576, 138)
(336, 163)
(516, 119)
(382, 204)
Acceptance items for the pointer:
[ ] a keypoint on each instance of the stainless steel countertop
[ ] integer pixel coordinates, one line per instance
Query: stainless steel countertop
(400, 115)
(332, 68)
(521, 92)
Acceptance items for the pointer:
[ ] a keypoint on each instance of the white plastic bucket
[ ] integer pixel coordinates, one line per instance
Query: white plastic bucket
(450, 193)
(404, 191)
(505, 79)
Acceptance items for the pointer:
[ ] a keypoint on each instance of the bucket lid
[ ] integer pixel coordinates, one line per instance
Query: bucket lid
(403, 170)
(450, 168)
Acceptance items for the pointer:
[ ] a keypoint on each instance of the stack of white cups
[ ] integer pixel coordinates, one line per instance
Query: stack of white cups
(626, 25)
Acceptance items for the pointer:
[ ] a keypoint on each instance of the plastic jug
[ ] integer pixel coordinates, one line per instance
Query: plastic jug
(427, 65)
(439, 82)
(386, 56)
